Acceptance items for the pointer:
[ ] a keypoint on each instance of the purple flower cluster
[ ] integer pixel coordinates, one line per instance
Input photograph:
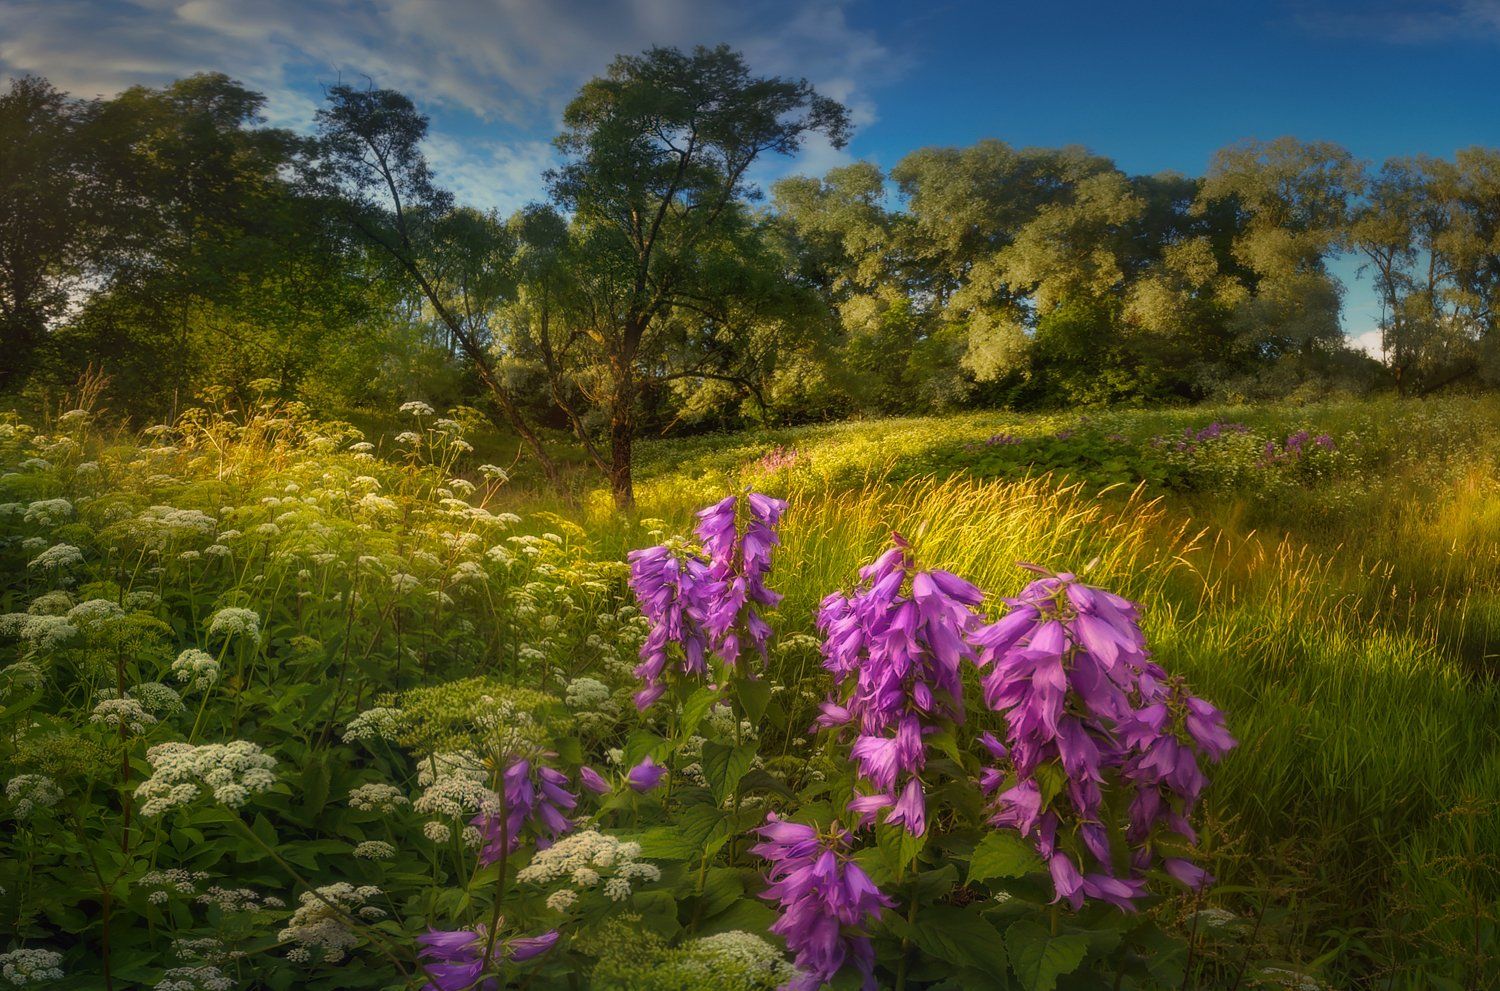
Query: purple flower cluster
(825, 901)
(1068, 668)
(739, 561)
(535, 797)
(455, 959)
(776, 459)
(896, 646)
(709, 603)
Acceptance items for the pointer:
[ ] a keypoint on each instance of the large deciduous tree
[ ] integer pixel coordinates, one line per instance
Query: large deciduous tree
(372, 159)
(46, 229)
(658, 152)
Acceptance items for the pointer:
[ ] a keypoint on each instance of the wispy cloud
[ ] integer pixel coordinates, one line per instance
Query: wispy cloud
(1405, 22)
(495, 73)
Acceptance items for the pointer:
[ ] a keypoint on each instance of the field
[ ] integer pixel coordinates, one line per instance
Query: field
(279, 696)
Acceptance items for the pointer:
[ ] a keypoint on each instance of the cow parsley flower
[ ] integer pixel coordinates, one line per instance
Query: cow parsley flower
(198, 668)
(374, 850)
(31, 966)
(235, 621)
(417, 408)
(49, 512)
(122, 714)
(29, 792)
(205, 977)
(323, 921)
(231, 772)
(57, 557)
(377, 796)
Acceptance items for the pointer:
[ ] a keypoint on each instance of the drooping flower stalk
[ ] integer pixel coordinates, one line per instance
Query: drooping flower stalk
(1069, 670)
(895, 646)
(825, 898)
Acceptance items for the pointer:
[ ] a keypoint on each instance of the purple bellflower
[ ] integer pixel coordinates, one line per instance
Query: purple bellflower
(1069, 670)
(895, 647)
(825, 899)
(535, 797)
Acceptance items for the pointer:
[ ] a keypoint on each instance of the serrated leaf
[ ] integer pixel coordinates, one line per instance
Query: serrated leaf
(725, 765)
(959, 936)
(1002, 853)
(1040, 958)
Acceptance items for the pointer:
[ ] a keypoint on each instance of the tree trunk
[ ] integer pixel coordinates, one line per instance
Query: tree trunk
(622, 437)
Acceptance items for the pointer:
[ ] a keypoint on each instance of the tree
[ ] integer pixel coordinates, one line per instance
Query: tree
(658, 153)
(1293, 200)
(47, 230)
(372, 159)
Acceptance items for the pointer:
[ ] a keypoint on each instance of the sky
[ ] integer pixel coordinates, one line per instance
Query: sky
(1154, 85)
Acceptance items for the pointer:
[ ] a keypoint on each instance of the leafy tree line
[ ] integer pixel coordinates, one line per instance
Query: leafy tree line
(172, 239)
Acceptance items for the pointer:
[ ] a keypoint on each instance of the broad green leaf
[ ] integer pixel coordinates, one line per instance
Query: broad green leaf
(754, 697)
(959, 936)
(1002, 853)
(1040, 958)
(724, 765)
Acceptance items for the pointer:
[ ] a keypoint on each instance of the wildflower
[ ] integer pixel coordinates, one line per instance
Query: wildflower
(1068, 668)
(417, 408)
(592, 780)
(198, 668)
(533, 795)
(234, 622)
(126, 714)
(31, 966)
(322, 921)
(669, 585)
(205, 977)
(825, 900)
(29, 792)
(738, 566)
(896, 645)
(49, 512)
(646, 776)
(374, 850)
(231, 772)
(377, 796)
(57, 557)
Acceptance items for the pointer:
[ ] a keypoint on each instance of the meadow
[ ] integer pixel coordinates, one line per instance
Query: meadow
(285, 703)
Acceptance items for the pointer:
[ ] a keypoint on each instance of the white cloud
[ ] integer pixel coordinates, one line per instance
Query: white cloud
(1369, 343)
(491, 175)
(1406, 22)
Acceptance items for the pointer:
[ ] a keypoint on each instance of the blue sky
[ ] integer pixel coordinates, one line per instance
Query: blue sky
(1153, 85)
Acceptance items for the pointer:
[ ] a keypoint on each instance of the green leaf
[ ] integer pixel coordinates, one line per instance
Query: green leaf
(960, 937)
(1040, 958)
(754, 697)
(695, 708)
(725, 765)
(1002, 853)
(315, 783)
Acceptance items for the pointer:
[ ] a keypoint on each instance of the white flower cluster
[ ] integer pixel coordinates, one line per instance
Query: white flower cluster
(49, 512)
(54, 603)
(374, 850)
(163, 884)
(29, 792)
(238, 899)
(379, 723)
(162, 525)
(39, 632)
(203, 978)
(23, 967)
(586, 693)
(740, 952)
(92, 612)
(56, 557)
(231, 771)
(417, 408)
(159, 700)
(198, 668)
(127, 714)
(454, 785)
(322, 921)
(235, 622)
(377, 796)
(582, 861)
